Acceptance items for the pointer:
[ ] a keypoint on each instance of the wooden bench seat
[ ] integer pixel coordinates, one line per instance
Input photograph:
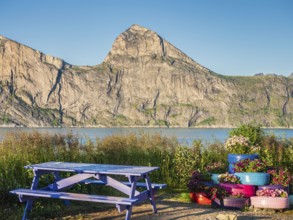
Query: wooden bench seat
(138, 184)
(28, 193)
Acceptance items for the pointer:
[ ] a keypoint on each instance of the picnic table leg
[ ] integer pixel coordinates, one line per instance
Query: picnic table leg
(57, 178)
(150, 193)
(29, 203)
(128, 212)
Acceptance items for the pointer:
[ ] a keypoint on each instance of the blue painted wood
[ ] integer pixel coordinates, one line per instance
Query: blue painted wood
(85, 171)
(138, 184)
(94, 168)
(74, 196)
(35, 183)
(151, 194)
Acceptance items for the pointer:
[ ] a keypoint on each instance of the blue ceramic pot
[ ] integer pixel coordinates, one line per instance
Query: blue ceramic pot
(256, 179)
(234, 158)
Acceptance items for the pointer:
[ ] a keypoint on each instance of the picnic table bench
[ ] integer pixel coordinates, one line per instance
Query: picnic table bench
(91, 174)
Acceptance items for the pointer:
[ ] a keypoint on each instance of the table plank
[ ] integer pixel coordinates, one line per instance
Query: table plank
(94, 168)
(74, 196)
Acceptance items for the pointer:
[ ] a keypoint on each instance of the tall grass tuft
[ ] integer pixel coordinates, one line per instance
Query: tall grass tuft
(20, 149)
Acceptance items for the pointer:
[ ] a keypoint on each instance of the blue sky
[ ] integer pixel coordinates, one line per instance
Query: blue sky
(230, 37)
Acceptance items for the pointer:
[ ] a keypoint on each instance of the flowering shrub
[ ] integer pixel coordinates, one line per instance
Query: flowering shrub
(240, 145)
(197, 182)
(254, 132)
(272, 193)
(280, 176)
(228, 178)
(250, 166)
(217, 167)
(216, 192)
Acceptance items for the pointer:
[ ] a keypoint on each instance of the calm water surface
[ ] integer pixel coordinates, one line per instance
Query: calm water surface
(184, 135)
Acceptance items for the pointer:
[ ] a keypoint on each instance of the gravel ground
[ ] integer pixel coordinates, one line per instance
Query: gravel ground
(171, 209)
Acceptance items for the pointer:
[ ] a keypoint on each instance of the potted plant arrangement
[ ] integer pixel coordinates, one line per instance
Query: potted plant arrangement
(216, 192)
(252, 172)
(280, 179)
(235, 200)
(198, 186)
(216, 169)
(231, 183)
(240, 148)
(270, 198)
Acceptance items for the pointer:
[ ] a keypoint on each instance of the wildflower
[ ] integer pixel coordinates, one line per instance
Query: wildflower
(249, 165)
(280, 176)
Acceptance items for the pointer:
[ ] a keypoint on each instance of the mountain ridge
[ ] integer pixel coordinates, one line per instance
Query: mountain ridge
(143, 81)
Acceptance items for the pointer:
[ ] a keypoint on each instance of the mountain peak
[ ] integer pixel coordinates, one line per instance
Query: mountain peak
(136, 27)
(138, 41)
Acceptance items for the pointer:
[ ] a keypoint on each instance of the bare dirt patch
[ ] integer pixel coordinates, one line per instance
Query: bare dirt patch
(172, 209)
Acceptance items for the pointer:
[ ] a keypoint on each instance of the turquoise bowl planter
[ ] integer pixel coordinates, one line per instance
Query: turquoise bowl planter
(215, 177)
(234, 158)
(256, 179)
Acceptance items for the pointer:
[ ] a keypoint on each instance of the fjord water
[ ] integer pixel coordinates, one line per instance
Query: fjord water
(185, 136)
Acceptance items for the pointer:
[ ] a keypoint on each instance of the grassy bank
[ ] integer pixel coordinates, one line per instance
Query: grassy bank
(175, 162)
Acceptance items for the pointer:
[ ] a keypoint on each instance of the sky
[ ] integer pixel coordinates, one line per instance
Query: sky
(230, 37)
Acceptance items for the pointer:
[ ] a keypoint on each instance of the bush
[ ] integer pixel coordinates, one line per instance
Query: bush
(253, 132)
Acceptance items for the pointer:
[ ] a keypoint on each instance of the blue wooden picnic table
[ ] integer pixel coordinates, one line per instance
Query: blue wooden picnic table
(91, 173)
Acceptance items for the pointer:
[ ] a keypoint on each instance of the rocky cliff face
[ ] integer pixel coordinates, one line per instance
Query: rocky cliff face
(143, 81)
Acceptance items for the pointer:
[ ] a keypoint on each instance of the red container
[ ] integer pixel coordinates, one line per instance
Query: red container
(234, 189)
(192, 196)
(200, 198)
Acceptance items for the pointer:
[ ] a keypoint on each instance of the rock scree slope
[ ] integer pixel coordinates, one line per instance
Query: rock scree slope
(143, 81)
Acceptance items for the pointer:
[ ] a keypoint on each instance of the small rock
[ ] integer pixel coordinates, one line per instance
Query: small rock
(226, 217)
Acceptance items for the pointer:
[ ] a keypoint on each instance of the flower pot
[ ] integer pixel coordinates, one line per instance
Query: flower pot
(234, 158)
(234, 189)
(269, 202)
(229, 202)
(201, 199)
(215, 177)
(192, 196)
(256, 179)
(285, 188)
